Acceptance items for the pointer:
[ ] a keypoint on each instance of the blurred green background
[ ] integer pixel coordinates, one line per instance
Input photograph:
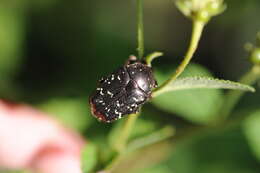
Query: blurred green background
(52, 52)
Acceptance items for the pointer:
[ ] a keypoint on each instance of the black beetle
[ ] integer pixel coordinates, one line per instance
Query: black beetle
(123, 91)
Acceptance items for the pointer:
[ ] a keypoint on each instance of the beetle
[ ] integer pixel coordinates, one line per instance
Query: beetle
(123, 92)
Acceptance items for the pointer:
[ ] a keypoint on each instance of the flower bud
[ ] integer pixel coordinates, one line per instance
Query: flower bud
(255, 56)
(201, 10)
(254, 50)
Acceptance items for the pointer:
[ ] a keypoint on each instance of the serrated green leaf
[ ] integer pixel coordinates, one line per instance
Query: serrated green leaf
(252, 131)
(199, 106)
(206, 83)
(89, 158)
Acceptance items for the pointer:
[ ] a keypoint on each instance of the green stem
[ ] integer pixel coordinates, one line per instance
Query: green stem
(195, 37)
(125, 132)
(233, 96)
(111, 166)
(130, 121)
(151, 57)
(122, 141)
(127, 127)
(154, 137)
(140, 29)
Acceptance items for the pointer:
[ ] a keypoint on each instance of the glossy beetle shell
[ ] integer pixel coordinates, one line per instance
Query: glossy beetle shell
(123, 91)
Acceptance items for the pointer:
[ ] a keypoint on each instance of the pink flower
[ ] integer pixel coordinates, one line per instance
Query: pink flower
(29, 139)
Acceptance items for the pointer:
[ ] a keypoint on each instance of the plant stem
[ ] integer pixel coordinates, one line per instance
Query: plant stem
(195, 37)
(122, 141)
(127, 127)
(140, 29)
(140, 143)
(111, 166)
(151, 57)
(233, 96)
(160, 135)
(130, 121)
(125, 132)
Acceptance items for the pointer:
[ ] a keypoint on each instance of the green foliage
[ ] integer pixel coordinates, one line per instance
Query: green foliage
(198, 105)
(89, 158)
(12, 33)
(67, 46)
(205, 83)
(223, 151)
(11, 38)
(142, 127)
(150, 139)
(251, 128)
(74, 113)
(143, 158)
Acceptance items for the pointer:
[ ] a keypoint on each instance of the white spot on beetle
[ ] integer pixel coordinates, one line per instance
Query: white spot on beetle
(112, 77)
(135, 99)
(120, 115)
(117, 103)
(109, 93)
(101, 92)
(116, 112)
(129, 108)
(133, 105)
(118, 77)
